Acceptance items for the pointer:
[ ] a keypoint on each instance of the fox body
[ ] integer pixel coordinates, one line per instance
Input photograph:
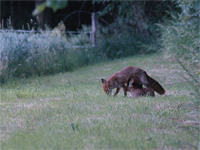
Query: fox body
(137, 90)
(121, 78)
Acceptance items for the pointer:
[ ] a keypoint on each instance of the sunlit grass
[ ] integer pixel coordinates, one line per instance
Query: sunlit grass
(70, 110)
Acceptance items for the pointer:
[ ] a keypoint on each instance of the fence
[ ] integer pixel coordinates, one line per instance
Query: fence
(67, 32)
(92, 33)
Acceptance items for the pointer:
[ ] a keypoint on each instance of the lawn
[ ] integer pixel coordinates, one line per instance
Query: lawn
(71, 111)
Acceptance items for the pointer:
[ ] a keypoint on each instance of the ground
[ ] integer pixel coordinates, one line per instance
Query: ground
(70, 110)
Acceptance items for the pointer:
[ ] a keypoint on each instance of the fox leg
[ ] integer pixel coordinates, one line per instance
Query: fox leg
(151, 93)
(145, 81)
(117, 91)
(125, 90)
(149, 86)
(109, 92)
(128, 82)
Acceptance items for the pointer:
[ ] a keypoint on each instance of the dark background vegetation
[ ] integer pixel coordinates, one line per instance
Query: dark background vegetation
(78, 12)
(21, 14)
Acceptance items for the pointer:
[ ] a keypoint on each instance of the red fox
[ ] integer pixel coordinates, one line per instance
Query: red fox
(120, 78)
(137, 90)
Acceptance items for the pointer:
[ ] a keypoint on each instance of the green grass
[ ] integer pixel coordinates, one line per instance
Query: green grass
(71, 111)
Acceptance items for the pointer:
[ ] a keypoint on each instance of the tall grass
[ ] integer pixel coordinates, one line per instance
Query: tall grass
(29, 54)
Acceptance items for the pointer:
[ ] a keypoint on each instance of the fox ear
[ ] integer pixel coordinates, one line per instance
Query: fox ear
(103, 81)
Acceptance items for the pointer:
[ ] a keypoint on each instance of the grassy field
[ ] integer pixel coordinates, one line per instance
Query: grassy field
(71, 111)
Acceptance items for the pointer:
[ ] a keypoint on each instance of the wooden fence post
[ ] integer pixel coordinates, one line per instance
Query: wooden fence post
(12, 15)
(93, 36)
(0, 16)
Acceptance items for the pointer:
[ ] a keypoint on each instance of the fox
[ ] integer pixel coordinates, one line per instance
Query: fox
(121, 79)
(136, 90)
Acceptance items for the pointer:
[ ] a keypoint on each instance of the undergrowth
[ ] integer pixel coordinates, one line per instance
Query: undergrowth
(48, 52)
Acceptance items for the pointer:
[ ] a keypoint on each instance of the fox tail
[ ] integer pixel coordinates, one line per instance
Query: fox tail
(156, 86)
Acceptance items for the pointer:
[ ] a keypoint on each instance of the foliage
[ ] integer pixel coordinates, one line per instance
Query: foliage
(133, 31)
(49, 52)
(55, 5)
(119, 43)
(71, 111)
(180, 38)
(139, 15)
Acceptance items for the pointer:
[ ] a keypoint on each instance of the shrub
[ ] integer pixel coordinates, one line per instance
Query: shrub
(133, 28)
(119, 42)
(180, 39)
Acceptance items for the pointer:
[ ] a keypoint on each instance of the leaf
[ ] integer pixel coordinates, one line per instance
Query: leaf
(55, 5)
(198, 73)
(39, 9)
(196, 5)
(72, 125)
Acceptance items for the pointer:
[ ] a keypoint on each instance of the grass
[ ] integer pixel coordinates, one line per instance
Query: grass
(71, 111)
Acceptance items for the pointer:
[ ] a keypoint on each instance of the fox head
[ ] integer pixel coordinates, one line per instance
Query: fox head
(106, 86)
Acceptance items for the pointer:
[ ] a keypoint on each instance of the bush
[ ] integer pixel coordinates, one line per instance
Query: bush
(28, 54)
(119, 42)
(133, 28)
(180, 39)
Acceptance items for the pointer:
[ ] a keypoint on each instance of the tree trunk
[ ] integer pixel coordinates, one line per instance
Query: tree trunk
(12, 15)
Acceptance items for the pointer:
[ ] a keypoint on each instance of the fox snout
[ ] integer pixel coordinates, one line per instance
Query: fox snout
(105, 86)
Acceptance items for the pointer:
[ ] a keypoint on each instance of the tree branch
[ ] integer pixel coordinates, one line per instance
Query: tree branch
(79, 20)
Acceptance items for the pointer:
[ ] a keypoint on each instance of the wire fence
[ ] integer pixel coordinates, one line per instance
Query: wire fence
(35, 31)
(67, 32)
